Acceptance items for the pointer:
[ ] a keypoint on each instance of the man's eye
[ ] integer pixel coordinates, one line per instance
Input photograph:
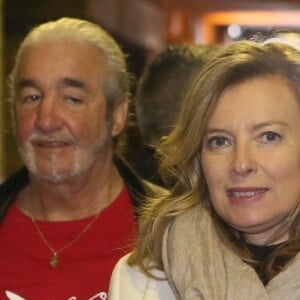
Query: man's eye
(73, 100)
(270, 136)
(31, 98)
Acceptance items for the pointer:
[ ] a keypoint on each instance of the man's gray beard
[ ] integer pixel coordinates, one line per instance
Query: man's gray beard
(83, 161)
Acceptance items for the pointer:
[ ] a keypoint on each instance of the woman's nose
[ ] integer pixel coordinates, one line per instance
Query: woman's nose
(244, 161)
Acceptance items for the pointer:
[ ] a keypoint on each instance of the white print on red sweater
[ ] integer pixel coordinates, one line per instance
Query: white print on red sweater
(99, 296)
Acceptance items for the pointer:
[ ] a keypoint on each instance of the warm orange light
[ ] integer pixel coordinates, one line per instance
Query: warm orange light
(177, 26)
(250, 18)
(255, 18)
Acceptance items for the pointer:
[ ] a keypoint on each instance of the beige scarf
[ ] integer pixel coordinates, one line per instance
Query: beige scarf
(199, 266)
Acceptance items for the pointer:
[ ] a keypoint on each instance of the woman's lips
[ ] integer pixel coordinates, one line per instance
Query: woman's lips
(245, 195)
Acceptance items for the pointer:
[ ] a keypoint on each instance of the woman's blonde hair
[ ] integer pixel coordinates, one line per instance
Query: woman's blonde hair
(181, 151)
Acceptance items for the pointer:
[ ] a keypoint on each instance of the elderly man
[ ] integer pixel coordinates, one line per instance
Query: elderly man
(69, 215)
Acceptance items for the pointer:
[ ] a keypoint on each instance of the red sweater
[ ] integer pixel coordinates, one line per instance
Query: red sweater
(84, 269)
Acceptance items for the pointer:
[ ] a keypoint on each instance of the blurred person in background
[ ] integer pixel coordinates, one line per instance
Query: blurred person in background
(158, 97)
(230, 226)
(69, 214)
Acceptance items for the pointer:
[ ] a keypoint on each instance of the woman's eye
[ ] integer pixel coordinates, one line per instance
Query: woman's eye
(270, 136)
(216, 142)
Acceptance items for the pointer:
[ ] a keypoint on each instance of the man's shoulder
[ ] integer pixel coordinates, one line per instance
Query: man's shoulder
(10, 188)
(14, 182)
(138, 188)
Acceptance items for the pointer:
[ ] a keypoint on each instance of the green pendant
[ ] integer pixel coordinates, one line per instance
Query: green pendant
(54, 260)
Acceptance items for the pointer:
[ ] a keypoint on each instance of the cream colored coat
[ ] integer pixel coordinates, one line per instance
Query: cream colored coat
(128, 283)
(199, 267)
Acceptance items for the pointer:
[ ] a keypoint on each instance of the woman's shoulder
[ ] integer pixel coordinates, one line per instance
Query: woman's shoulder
(128, 282)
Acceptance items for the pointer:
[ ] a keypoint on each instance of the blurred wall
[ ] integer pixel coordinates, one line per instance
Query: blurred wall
(139, 21)
(2, 157)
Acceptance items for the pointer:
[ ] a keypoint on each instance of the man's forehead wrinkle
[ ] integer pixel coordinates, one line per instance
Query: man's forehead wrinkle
(62, 83)
(72, 82)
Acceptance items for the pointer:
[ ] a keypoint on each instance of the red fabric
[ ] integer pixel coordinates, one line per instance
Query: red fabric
(84, 268)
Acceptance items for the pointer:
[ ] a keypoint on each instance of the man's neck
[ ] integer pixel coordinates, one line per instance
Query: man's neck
(71, 200)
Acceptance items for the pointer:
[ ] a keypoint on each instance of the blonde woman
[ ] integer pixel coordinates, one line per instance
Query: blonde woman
(229, 229)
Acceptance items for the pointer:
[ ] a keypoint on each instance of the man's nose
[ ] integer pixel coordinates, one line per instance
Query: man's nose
(48, 114)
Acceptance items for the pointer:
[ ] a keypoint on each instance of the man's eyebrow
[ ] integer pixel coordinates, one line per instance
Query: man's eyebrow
(71, 82)
(23, 83)
(64, 82)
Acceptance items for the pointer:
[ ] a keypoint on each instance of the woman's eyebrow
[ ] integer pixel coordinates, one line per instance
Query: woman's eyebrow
(269, 123)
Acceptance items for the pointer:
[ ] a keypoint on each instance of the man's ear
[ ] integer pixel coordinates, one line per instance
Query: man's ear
(119, 117)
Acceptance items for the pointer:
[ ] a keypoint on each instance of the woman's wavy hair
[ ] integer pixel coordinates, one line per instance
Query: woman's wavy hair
(181, 151)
